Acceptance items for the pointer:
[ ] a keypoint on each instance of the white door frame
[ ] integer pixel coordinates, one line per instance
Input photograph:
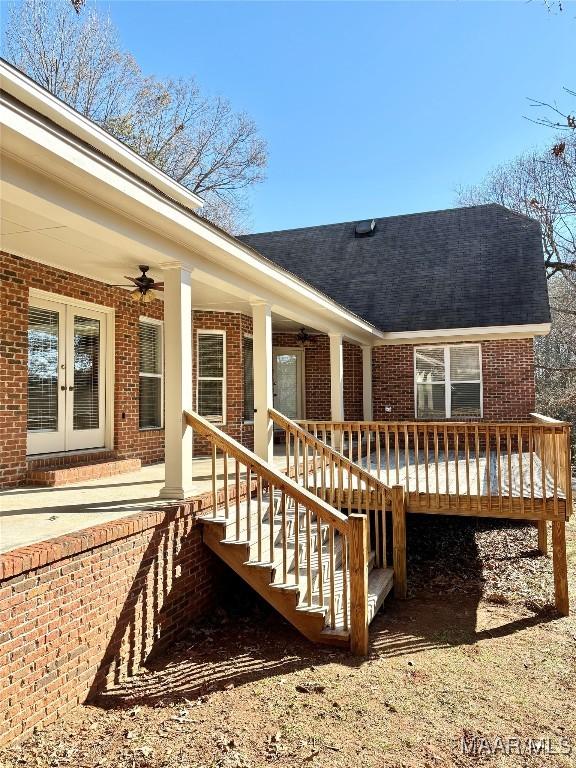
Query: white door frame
(49, 300)
(300, 373)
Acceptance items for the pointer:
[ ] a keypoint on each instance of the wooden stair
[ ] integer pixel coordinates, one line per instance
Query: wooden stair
(281, 573)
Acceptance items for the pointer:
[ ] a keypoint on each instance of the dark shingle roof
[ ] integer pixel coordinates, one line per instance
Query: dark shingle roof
(459, 268)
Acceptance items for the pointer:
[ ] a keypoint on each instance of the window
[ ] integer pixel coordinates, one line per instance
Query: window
(150, 337)
(248, 358)
(211, 392)
(448, 381)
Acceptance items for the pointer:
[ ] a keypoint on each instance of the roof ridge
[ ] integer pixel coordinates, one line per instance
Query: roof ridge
(381, 218)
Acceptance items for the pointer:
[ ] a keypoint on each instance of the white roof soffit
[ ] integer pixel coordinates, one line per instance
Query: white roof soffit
(443, 335)
(49, 106)
(61, 151)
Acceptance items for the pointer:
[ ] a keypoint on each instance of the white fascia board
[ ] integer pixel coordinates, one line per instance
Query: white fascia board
(443, 335)
(46, 104)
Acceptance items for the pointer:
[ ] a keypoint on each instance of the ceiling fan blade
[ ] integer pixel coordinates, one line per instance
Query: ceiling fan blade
(132, 280)
(157, 286)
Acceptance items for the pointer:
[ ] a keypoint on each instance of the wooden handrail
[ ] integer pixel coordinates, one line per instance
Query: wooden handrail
(277, 479)
(288, 425)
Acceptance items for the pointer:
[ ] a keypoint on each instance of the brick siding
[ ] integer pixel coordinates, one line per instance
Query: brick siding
(509, 389)
(86, 610)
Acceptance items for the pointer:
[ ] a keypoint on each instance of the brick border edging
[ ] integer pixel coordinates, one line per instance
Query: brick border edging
(22, 559)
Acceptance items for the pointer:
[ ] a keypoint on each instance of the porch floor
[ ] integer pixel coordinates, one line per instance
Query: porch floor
(30, 514)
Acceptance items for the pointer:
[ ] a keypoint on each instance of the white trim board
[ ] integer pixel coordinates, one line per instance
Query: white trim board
(448, 335)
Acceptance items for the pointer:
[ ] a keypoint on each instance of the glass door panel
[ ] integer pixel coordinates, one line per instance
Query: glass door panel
(287, 376)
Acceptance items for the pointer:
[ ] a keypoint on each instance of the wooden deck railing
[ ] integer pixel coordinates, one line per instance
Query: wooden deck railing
(484, 468)
(344, 484)
(264, 521)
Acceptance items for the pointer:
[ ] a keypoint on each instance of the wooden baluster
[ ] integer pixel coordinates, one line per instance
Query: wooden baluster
(350, 489)
(214, 497)
(397, 452)
(399, 540)
(332, 578)
(406, 459)
(456, 467)
(296, 458)
(357, 526)
(237, 499)
(378, 457)
(378, 559)
(531, 469)
(284, 537)
(384, 529)
(487, 451)
(553, 442)
(436, 463)
(297, 543)
(368, 450)
(416, 449)
(319, 551)
(248, 504)
(446, 465)
(259, 514)
(305, 464)
(543, 461)
(509, 451)
(426, 440)
(521, 468)
(478, 478)
(359, 446)
(387, 438)
(226, 494)
(309, 556)
(467, 460)
(345, 578)
(288, 438)
(499, 465)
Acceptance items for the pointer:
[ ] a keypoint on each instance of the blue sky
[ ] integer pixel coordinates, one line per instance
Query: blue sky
(369, 109)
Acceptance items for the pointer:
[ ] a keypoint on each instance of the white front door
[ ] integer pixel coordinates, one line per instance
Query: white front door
(66, 377)
(288, 381)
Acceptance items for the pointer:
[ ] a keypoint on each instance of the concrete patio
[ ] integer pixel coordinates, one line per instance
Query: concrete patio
(30, 514)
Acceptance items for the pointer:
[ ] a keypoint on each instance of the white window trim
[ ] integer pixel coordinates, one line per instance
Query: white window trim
(153, 321)
(248, 422)
(223, 378)
(447, 382)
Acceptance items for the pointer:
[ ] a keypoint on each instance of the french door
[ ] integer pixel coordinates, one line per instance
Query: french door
(66, 377)
(288, 380)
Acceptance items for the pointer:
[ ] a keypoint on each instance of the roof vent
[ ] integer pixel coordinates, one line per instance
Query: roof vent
(365, 228)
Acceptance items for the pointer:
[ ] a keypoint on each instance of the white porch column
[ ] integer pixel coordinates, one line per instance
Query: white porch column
(177, 381)
(336, 377)
(367, 382)
(263, 397)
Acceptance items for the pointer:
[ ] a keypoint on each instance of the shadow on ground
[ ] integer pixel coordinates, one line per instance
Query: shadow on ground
(247, 641)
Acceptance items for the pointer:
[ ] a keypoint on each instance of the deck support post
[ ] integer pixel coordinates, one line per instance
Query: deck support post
(367, 382)
(177, 381)
(542, 537)
(560, 567)
(336, 386)
(399, 541)
(358, 539)
(263, 394)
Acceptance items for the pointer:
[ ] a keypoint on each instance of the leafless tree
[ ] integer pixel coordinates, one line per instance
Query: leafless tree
(200, 141)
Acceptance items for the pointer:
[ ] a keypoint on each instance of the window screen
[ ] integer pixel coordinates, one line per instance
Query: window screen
(211, 376)
(150, 336)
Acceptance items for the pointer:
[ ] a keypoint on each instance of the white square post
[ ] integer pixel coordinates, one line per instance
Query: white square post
(367, 382)
(263, 395)
(177, 381)
(336, 386)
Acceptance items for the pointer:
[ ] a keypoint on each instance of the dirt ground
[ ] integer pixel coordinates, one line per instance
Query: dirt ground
(475, 668)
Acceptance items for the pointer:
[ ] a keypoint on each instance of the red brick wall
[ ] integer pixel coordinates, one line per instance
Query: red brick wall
(83, 611)
(509, 390)
(17, 275)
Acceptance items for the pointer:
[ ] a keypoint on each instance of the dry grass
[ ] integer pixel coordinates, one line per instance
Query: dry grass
(447, 663)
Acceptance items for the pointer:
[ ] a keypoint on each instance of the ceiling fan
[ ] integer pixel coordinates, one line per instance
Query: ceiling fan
(145, 286)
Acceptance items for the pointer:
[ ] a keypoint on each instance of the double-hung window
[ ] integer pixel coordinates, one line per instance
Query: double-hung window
(151, 374)
(248, 360)
(448, 381)
(211, 380)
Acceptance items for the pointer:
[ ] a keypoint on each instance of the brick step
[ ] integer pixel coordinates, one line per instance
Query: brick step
(58, 473)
